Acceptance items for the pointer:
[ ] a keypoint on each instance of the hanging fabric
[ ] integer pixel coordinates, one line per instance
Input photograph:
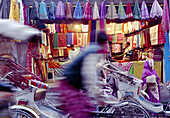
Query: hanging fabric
(62, 40)
(79, 39)
(84, 39)
(60, 11)
(121, 11)
(129, 11)
(93, 31)
(74, 39)
(102, 10)
(69, 39)
(110, 28)
(116, 48)
(141, 40)
(43, 10)
(154, 35)
(96, 12)
(103, 24)
(136, 11)
(120, 38)
(114, 38)
(55, 43)
(14, 10)
(25, 15)
(111, 12)
(52, 9)
(69, 10)
(78, 13)
(161, 35)
(156, 10)
(147, 42)
(4, 9)
(84, 28)
(35, 10)
(21, 10)
(87, 13)
(165, 17)
(144, 11)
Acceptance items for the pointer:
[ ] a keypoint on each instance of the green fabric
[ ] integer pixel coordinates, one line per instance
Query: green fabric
(131, 69)
(114, 38)
(55, 40)
(121, 12)
(136, 11)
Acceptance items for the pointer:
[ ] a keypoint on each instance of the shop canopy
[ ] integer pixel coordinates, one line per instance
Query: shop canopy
(16, 31)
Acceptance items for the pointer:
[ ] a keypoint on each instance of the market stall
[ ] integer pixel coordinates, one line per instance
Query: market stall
(62, 23)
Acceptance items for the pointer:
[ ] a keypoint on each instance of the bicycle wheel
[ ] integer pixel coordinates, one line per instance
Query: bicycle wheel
(130, 110)
(20, 114)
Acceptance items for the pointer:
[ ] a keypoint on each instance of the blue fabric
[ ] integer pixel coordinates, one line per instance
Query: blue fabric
(78, 12)
(69, 39)
(73, 71)
(52, 9)
(137, 42)
(166, 56)
(43, 10)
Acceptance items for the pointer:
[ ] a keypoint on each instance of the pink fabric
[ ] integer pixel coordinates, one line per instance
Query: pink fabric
(125, 65)
(87, 13)
(161, 35)
(165, 17)
(116, 48)
(120, 38)
(102, 25)
(129, 11)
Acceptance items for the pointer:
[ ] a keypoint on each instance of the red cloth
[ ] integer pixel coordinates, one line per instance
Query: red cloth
(109, 37)
(120, 38)
(147, 39)
(62, 40)
(161, 35)
(129, 11)
(75, 39)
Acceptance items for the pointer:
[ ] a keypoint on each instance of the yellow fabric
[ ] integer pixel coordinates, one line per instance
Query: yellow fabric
(138, 68)
(154, 35)
(110, 28)
(89, 31)
(14, 11)
(118, 28)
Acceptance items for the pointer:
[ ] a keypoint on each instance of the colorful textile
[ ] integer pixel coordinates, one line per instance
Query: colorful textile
(109, 38)
(137, 41)
(43, 10)
(78, 13)
(79, 39)
(129, 11)
(111, 12)
(84, 39)
(154, 94)
(62, 40)
(87, 13)
(69, 39)
(156, 10)
(74, 39)
(121, 11)
(147, 39)
(14, 10)
(95, 12)
(102, 24)
(4, 9)
(69, 10)
(93, 31)
(118, 28)
(60, 11)
(136, 11)
(110, 28)
(84, 28)
(144, 11)
(55, 41)
(52, 9)
(74, 102)
(102, 10)
(116, 48)
(125, 65)
(120, 38)
(154, 35)
(161, 35)
(165, 17)
(25, 15)
(114, 38)
(141, 41)
(57, 27)
(63, 28)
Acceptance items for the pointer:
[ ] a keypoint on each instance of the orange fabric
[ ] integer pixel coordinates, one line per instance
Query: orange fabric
(53, 64)
(89, 31)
